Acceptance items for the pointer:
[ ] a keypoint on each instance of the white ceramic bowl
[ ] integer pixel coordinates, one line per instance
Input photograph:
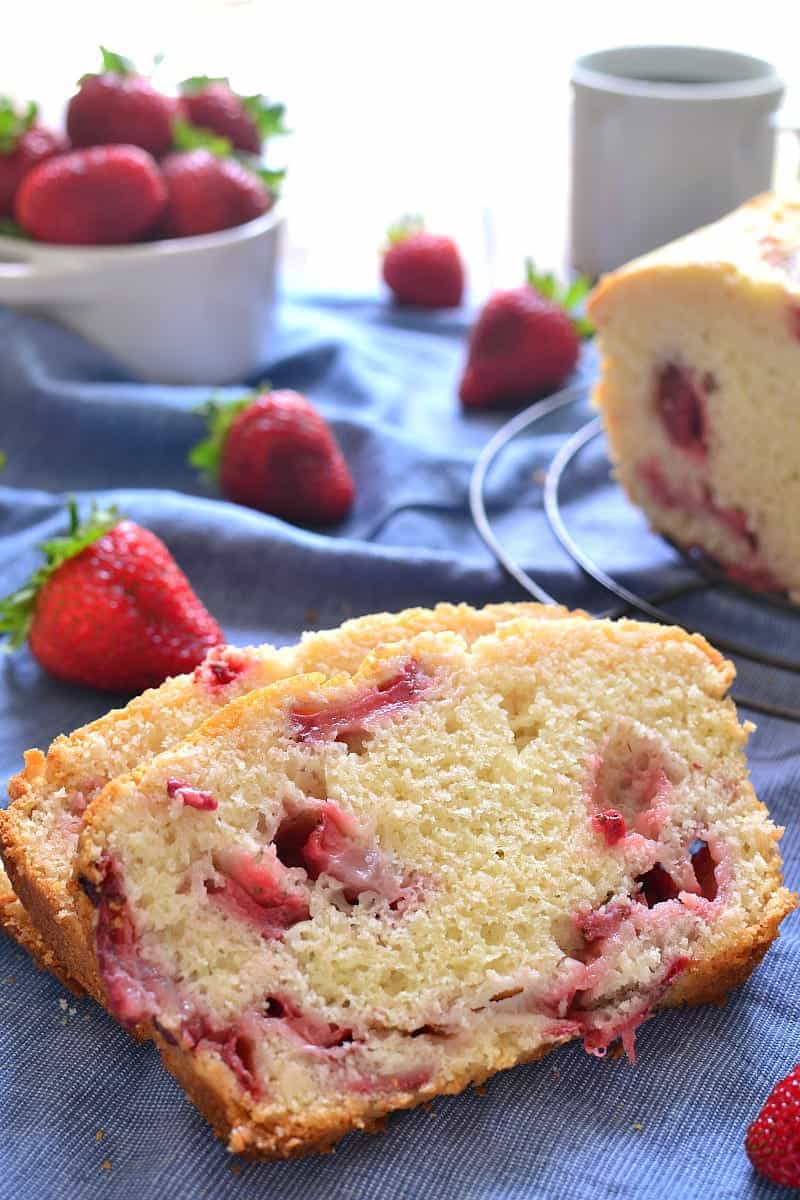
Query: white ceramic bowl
(184, 310)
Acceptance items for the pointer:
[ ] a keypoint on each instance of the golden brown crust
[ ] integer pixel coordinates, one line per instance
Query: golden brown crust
(208, 1085)
(15, 921)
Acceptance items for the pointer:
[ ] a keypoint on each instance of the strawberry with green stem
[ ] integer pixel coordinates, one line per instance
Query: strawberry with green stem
(120, 106)
(420, 268)
(525, 342)
(109, 608)
(245, 121)
(23, 144)
(274, 452)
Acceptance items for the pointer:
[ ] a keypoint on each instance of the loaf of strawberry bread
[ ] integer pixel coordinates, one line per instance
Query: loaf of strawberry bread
(340, 897)
(700, 389)
(39, 831)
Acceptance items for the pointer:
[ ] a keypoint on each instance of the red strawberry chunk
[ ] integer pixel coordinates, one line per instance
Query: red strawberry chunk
(258, 891)
(178, 790)
(610, 824)
(337, 721)
(135, 989)
(312, 1031)
(657, 886)
(221, 666)
(332, 850)
(704, 868)
(234, 1044)
(794, 319)
(680, 402)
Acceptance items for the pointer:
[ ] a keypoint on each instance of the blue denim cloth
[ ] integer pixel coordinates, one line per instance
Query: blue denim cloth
(569, 1127)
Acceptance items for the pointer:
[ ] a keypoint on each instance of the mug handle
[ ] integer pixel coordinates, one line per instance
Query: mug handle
(25, 282)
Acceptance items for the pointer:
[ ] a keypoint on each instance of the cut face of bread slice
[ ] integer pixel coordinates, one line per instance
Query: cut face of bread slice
(700, 389)
(38, 833)
(338, 899)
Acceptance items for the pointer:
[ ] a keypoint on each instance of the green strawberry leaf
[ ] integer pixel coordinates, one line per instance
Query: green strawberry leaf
(9, 228)
(568, 296)
(116, 64)
(272, 178)
(220, 415)
(198, 83)
(186, 136)
(14, 123)
(268, 117)
(3, 460)
(16, 610)
(399, 230)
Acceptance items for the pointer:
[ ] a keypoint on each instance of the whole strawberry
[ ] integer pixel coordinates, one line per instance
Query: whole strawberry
(120, 106)
(107, 195)
(246, 121)
(273, 451)
(773, 1139)
(523, 344)
(423, 269)
(206, 193)
(23, 144)
(110, 608)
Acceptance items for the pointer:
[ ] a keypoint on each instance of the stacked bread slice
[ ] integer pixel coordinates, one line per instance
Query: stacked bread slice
(341, 878)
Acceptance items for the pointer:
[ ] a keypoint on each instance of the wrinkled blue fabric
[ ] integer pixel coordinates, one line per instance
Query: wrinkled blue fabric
(568, 1128)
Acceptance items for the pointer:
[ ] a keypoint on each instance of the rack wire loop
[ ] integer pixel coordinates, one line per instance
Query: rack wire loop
(705, 578)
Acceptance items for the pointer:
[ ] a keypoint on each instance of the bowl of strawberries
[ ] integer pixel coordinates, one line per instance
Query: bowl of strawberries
(151, 226)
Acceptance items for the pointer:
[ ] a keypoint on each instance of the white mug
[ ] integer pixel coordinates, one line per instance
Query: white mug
(664, 139)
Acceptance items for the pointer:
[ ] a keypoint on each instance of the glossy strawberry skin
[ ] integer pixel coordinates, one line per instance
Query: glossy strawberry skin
(425, 270)
(205, 193)
(34, 146)
(773, 1139)
(217, 108)
(107, 195)
(121, 109)
(280, 457)
(121, 615)
(521, 346)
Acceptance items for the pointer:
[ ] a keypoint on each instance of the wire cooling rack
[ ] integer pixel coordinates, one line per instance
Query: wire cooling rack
(705, 578)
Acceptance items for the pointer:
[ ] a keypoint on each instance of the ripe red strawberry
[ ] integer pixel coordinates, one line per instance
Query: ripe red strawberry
(110, 608)
(523, 344)
(273, 451)
(23, 143)
(246, 121)
(206, 193)
(423, 269)
(120, 107)
(773, 1139)
(107, 195)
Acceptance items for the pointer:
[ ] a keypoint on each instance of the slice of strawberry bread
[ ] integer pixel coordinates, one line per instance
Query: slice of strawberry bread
(339, 898)
(700, 389)
(38, 832)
